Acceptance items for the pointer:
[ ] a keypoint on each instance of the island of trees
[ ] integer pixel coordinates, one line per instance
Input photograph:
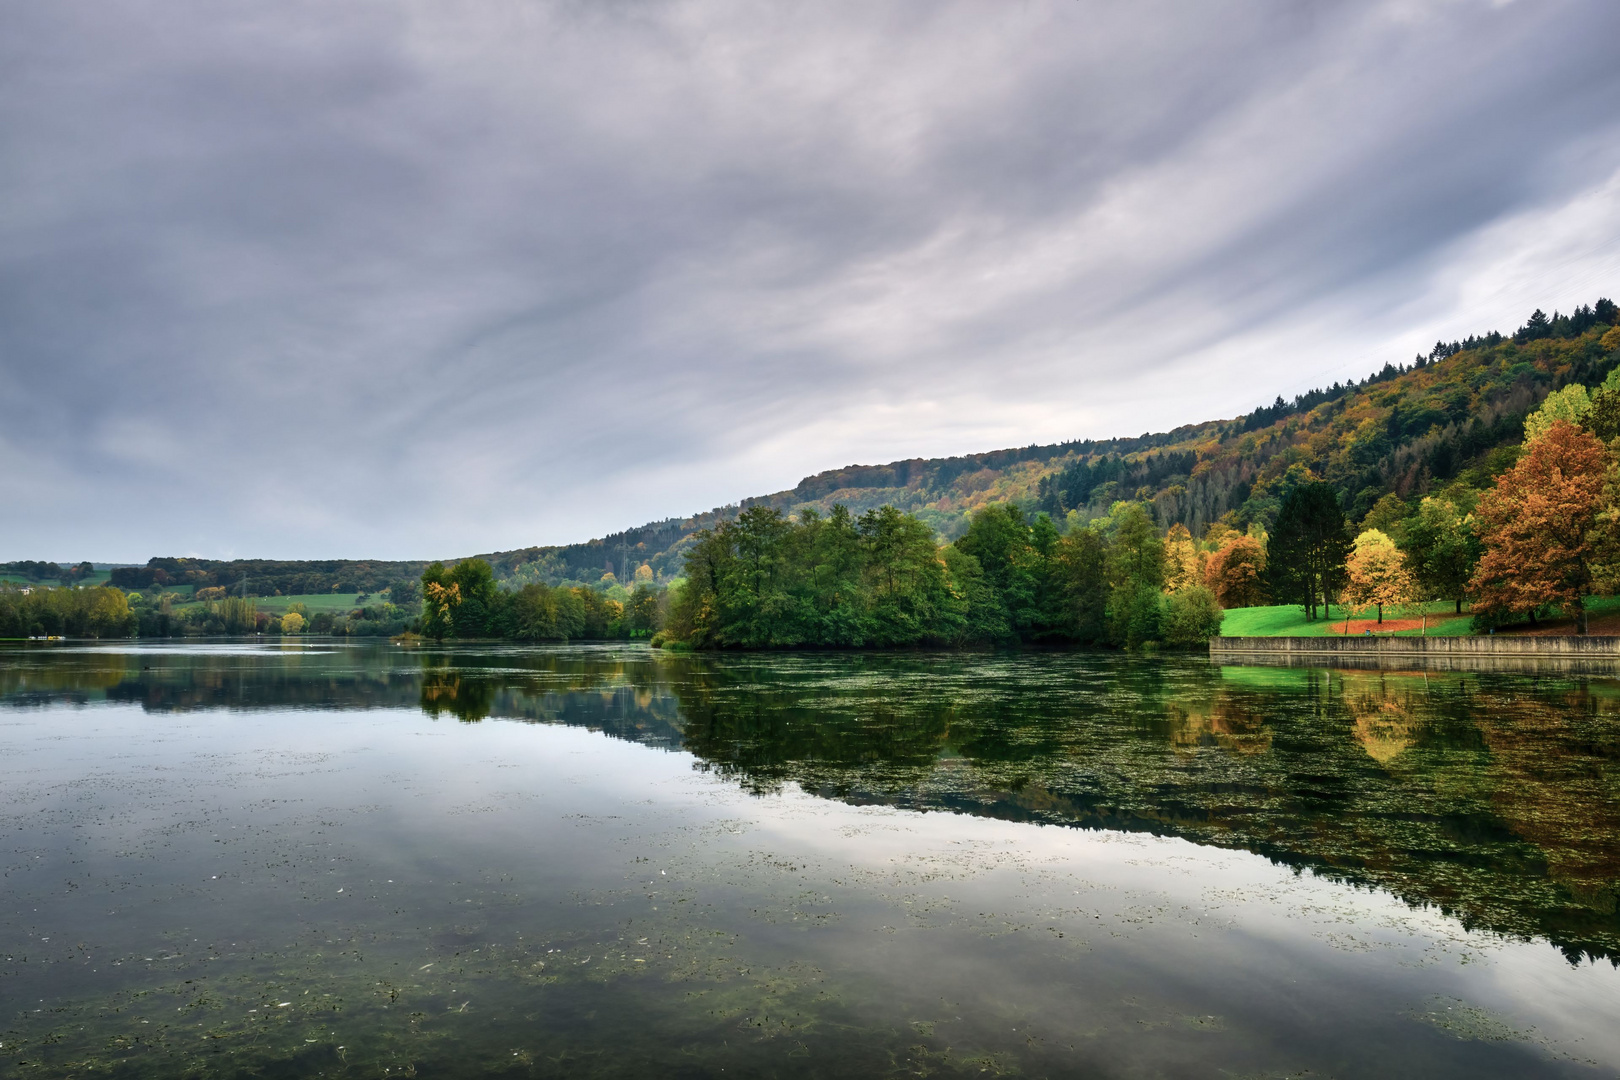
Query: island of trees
(1486, 473)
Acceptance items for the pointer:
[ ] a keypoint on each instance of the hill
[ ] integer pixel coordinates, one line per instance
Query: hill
(1454, 415)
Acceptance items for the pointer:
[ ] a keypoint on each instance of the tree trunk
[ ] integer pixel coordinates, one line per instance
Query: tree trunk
(1580, 619)
(1459, 605)
(1380, 614)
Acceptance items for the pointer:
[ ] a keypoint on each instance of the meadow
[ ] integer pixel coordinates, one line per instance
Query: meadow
(1289, 620)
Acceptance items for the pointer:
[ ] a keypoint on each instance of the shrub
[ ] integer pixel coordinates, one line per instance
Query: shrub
(1191, 617)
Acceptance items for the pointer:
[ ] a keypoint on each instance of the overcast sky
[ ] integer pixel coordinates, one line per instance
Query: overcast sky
(396, 279)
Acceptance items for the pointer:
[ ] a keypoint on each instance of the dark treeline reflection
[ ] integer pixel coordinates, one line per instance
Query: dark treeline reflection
(1494, 796)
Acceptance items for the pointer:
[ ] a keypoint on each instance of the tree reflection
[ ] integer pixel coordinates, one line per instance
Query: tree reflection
(1494, 797)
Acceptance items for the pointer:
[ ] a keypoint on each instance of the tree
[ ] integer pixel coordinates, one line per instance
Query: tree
(1605, 532)
(476, 615)
(981, 616)
(999, 538)
(906, 579)
(1537, 528)
(641, 613)
(1308, 545)
(1080, 585)
(1442, 549)
(1377, 574)
(1191, 617)
(440, 598)
(1388, 515)
(1571, 404)
(1180, 559)
(1135, 568)
(1603, 418)
(405, 594)
(1236, 574)
(292, 623)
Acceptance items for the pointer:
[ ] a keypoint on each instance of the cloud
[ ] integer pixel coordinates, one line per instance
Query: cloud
(415, 279)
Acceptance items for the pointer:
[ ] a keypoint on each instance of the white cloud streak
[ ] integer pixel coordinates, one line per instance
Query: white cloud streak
(414, 279)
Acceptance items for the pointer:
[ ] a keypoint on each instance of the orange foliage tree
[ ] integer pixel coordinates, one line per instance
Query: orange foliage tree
(1538, 527)
(1236, 573)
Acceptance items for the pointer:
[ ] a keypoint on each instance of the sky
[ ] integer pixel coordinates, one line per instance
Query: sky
(294, 279)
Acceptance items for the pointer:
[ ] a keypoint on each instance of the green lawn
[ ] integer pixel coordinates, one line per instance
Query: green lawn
(315, 602)
(337, 603)
(1288, 620)
(98, 577)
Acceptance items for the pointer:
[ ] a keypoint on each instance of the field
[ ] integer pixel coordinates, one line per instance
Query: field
(98, 578)
(1288, 620)
(1603, 617)
(334, 602)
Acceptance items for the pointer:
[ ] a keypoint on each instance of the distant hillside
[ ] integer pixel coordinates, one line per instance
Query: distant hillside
(1453, 415)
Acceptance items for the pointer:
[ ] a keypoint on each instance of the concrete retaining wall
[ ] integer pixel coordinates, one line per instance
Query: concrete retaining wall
(1493, 645)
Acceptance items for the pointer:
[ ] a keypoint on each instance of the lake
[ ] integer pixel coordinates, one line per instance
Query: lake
(236, 859)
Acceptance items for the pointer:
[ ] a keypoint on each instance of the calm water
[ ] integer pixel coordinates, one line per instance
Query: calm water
(371, 861)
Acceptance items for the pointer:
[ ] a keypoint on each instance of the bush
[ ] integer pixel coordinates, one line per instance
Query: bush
(1191, 617)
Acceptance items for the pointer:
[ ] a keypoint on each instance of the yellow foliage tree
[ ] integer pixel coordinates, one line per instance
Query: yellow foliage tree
(1181, 567)
(644, 573)
(292, 623)
(1571, 404)
(1378, 575)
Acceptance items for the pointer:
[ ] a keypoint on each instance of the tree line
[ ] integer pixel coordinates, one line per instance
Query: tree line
(1542, 538)
(43, 611)
(464, 601)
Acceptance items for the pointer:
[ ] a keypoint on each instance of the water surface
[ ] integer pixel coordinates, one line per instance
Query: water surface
(235, 860)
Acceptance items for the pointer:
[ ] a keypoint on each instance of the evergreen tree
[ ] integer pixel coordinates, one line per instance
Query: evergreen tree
(1306, 552)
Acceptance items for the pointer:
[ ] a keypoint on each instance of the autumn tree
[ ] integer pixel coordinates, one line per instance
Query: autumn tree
(440, 598)
(1180, 559)
(1538, 527)
(1236, 574)
(1376, 574)
(476, 615)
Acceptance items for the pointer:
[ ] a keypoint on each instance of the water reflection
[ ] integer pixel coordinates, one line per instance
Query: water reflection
(1493, 796)
(250, 861)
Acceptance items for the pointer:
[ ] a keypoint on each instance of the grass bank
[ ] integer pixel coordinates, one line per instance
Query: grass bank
(1289, 620)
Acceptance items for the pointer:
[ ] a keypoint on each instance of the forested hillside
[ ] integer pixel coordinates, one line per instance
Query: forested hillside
(1454, 414)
